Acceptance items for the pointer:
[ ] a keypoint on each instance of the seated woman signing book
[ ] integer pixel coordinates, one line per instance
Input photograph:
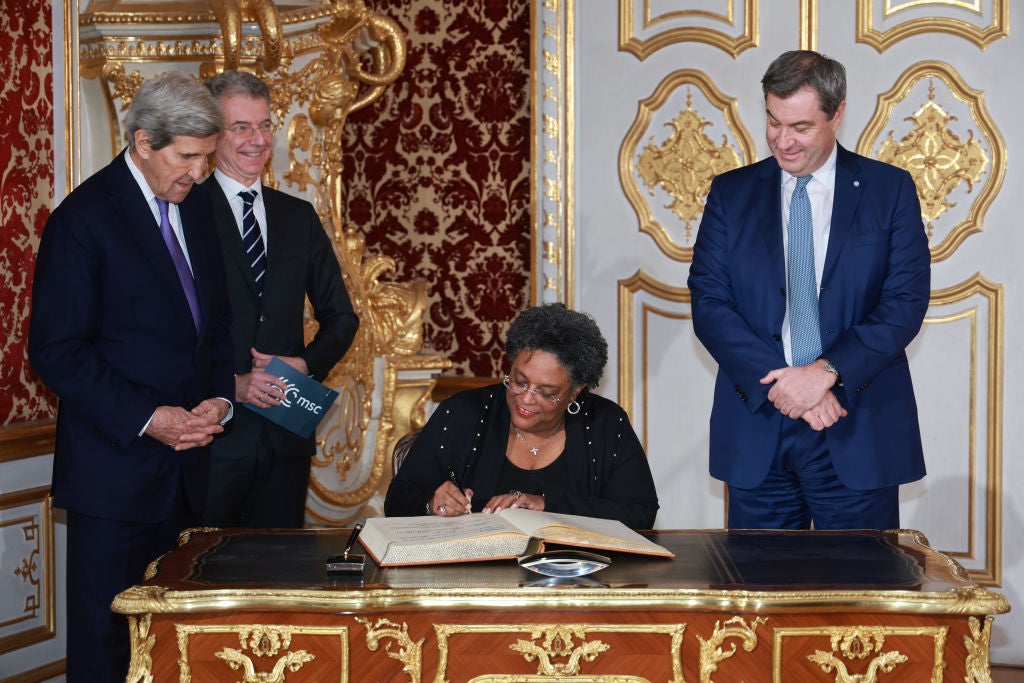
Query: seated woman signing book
(539, 441)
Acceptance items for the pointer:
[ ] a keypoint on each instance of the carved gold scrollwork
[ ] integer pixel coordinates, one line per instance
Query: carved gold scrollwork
(943, 158)
(683, 164)
(711, 652)
(231, 13)
(857, 643)
(641, 48)
(558, 643)
(140, 666)
(264, 641)
(409, 653)
(977, 664)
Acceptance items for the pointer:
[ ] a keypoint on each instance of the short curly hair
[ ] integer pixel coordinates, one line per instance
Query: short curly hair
(571, 336)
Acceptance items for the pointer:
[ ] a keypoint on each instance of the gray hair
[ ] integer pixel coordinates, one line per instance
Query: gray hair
(571, 336)
(793, 70)
(170, 105)
(237, 83)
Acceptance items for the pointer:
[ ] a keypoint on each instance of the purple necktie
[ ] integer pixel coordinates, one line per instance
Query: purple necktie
(180, 264)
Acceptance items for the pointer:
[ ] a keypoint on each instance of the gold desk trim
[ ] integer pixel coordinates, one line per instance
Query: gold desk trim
(160, 600)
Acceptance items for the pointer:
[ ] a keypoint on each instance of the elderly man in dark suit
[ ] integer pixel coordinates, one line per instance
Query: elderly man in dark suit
(276, 254)
(130, 329)
(810, 277)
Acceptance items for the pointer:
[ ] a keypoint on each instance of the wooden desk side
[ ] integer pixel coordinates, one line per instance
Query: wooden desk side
(234, 600)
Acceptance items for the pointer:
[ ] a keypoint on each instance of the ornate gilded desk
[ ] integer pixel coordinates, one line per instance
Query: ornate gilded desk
(732, 606)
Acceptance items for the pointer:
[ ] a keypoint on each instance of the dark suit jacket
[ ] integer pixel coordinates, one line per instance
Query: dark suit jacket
(112, 335)
(301, 262)
(873, 297)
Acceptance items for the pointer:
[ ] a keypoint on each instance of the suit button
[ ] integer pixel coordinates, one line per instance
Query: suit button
(263, 318)
(782, 291)
(777, 337)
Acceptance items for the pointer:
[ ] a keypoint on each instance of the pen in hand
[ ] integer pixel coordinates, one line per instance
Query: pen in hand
(455, 480)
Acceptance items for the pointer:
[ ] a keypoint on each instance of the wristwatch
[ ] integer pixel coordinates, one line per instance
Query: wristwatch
(831, 367)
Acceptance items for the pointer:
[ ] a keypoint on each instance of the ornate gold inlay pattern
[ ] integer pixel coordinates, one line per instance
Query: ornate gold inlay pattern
(854, 645)
(559, 650)
(944, 157)
(684, 163)
(262, 641)
(409, 653)
(711, 652)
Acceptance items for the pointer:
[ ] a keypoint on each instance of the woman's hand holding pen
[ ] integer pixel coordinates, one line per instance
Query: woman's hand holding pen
(450, 500)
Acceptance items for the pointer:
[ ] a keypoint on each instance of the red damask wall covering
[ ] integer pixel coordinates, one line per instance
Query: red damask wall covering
(26, 194)
(437, 173)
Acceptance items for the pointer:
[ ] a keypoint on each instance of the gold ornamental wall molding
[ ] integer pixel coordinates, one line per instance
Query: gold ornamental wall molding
(629, 289)
(552, 152)
(641, 36)
(946, 19)
(979, 303)
(28, 602)
(947, 158)
(677, 168)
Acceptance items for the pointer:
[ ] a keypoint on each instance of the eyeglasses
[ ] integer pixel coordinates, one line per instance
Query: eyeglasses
(519, 388)
(246, 130)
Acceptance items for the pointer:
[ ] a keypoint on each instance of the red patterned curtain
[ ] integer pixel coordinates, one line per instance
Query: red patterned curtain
(437, 173)
(26, 194)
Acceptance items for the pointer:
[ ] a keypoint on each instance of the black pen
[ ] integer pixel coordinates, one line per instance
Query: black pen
(351, 542)
(455, 480)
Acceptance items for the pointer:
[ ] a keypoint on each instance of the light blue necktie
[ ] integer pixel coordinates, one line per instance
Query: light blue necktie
(805, 333)
(252, 240)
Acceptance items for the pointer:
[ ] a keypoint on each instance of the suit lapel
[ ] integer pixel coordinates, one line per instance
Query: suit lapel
(230, 237)
(770, 216)
(140, 225)
(848, 192)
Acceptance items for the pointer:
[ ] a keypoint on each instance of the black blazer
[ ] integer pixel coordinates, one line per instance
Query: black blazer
(301, 262)
(112, 335)
(607, 465)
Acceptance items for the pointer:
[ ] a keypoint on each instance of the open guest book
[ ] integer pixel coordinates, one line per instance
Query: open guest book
(394, 541)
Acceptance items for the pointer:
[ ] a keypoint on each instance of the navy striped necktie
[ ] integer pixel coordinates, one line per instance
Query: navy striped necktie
(802, 287)
(252, 240)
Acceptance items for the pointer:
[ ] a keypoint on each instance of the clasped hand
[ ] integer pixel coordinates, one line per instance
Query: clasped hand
(184, 429)
(803, 393)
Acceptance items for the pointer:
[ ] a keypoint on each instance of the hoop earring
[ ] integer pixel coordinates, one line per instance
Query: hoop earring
(569, 408)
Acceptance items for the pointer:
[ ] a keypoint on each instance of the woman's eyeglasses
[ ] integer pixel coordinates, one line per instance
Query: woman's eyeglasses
(519, 388)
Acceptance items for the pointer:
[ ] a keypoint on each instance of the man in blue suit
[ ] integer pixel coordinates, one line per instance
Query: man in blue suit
(130, 329)
(814, 419)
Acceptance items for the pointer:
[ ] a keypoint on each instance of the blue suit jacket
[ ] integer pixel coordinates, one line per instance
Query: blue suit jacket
(112, 335)
(872, 300)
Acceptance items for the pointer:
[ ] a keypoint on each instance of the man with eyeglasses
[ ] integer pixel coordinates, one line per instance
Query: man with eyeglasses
(276, 254)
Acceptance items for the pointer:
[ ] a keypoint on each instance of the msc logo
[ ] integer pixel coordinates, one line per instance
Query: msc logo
(293, 397)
